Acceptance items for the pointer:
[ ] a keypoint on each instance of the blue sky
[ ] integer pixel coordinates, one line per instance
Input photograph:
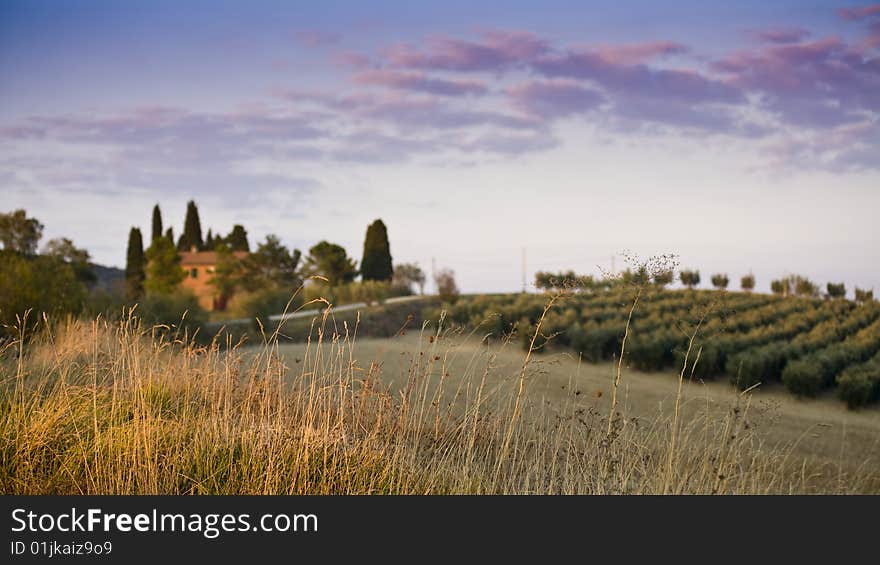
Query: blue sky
(741, 136)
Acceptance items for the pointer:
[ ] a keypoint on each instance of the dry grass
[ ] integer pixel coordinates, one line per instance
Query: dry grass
(117, 408)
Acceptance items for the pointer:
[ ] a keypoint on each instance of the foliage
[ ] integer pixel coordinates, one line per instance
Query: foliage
(177, 311)
(689, 278)
(564, 280)
(408, 274)
(19, 233)
(227, 274)
(64, 250)
(664, 278)
(261, 304)
(376, 263)
(237, 239)
(780, 287)
(156, 231)
(192, 230)
(135, 263)
(747, 282)
(447, 290)
(720, 281)
(836, 290)
(163, 273)
(271, 266)
(859, 385)
(330, 261)
(42, 284)
(863, 296)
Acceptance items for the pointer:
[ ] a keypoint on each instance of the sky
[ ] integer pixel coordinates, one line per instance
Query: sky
(742, 137)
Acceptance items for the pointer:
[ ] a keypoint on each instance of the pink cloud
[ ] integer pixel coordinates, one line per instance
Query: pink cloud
(823, 83)
(496, 50)
(860, 13)
(781, 34)
(636, 53)
(419, 82)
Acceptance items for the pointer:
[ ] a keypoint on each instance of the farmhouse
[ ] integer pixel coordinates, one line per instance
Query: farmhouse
(199, 267)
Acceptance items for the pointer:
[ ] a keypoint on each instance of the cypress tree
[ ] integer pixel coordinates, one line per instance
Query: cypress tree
(376, 262)
(209, 241)
(192, 229)
(134, 265)
(237, 239)
(169, 234)
(157, 224)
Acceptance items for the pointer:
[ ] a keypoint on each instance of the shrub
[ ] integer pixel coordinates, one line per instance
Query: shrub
(805, 377)
(747, 283)
(179, 311)
(859, 385)
(265, 303)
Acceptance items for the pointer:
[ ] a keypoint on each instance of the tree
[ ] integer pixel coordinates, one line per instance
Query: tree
(19, 233)
(836, 290)
(271, 266)
(376, 261)
(39, 283)
(331, 261)
(863, 296)
(210, 244)
(192, 229)
(747, 283)
(237, 239)
(447, 290)
(157, 224)
(664, 278)
(134, 265)
(689, 279)
(408, 274)
(720, 281)
(227, 274)
(169, 235)
(804, 286)
(163, 273)
(64, 250)
(780, 287)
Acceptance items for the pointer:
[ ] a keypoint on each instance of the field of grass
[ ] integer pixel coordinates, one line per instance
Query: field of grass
(118, 408)
(819, 430)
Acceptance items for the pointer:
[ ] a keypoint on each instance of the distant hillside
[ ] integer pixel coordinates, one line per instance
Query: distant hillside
(108, 278)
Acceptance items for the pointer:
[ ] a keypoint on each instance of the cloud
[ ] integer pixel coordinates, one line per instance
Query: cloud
(865, 13)
(860, 13)
(554, 98)
(495, 50)
(683, 85)
(419, 82)
(781, 34)
(817, 84)
(634, 53)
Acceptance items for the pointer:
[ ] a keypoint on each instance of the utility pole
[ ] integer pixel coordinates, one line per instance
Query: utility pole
(524, 270)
